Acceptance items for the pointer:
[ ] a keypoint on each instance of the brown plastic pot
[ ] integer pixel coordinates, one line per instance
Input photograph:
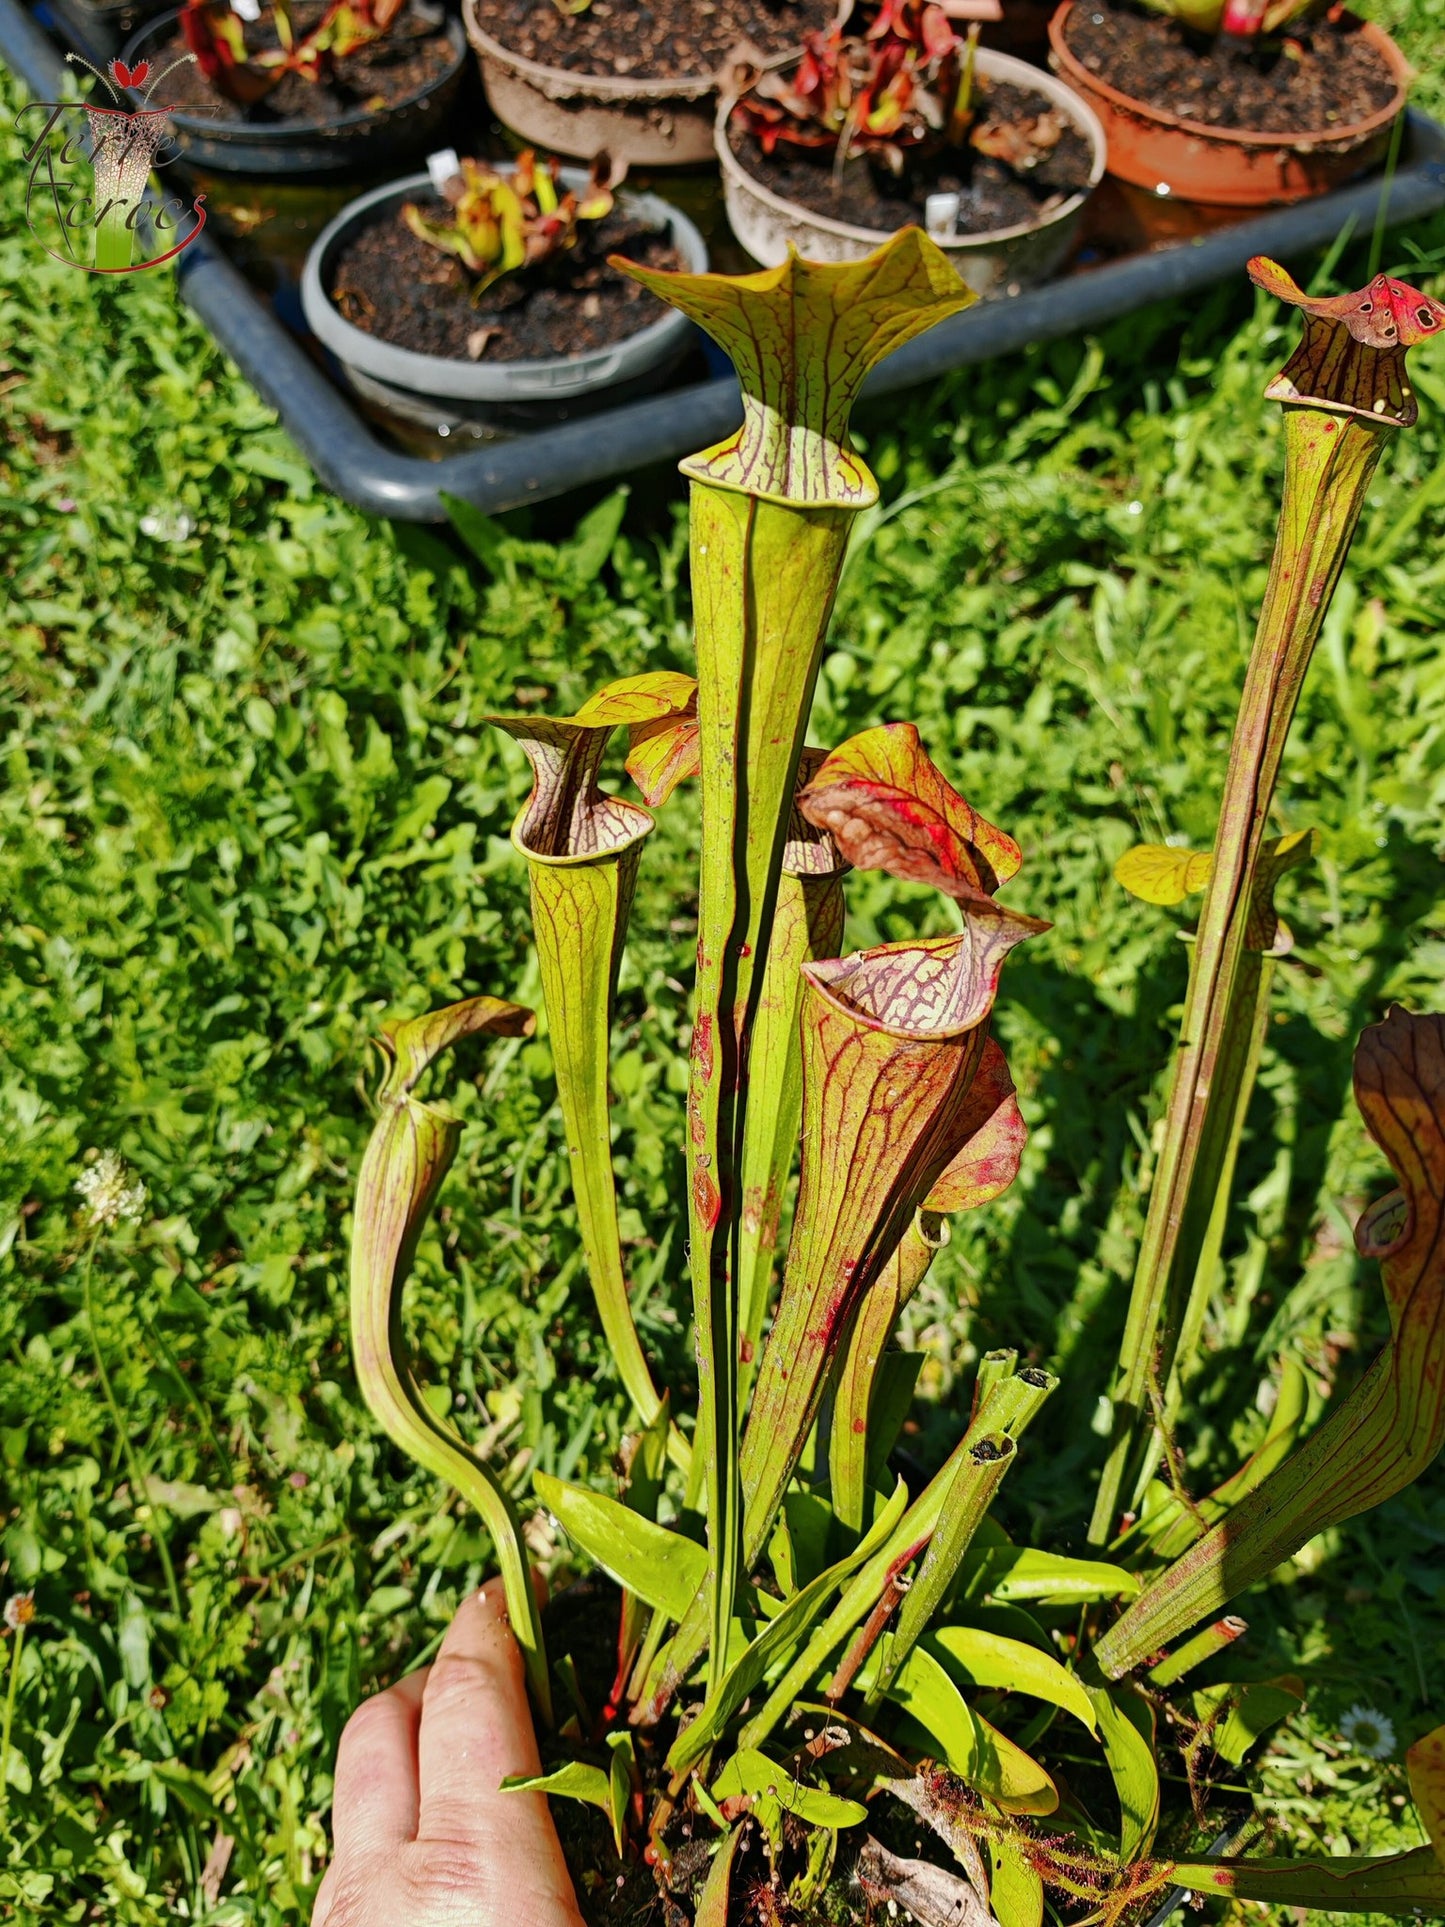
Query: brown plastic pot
(647, 123)
(1222, 166)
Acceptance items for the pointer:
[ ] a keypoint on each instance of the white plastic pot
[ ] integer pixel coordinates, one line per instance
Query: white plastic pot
(382, 370)
(1002, 261)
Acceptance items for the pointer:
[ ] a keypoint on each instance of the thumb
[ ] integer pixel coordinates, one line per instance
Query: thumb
(476, 1730)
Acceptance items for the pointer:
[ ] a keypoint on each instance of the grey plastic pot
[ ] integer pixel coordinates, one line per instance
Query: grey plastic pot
(1000, 261)
(440, 393)
(362, 138)
(647, 123)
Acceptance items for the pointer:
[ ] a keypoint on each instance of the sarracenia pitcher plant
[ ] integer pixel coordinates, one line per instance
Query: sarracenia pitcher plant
(811, 1632)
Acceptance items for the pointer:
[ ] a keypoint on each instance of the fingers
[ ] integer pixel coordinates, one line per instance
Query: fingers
(476, 1727)
(376, 1804)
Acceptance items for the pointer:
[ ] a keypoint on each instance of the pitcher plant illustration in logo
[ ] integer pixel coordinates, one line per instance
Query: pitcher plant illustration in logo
(88, 170)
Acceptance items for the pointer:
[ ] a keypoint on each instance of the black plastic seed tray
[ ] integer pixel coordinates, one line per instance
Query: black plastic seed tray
(354, 462)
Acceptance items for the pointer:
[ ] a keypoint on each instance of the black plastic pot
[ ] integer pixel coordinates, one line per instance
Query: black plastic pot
(364, 139)
(99, 29)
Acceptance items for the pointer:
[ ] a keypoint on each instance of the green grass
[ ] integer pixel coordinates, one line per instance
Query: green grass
(252, 807)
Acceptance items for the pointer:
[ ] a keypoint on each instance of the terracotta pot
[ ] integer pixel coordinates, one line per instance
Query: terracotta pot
(1002, 261)
(1229, 167)
(647, 123)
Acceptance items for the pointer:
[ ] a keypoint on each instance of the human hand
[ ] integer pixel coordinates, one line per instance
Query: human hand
(422, 1834)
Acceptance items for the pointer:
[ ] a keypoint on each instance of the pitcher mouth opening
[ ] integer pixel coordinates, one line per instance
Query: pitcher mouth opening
(607, 828)
(939, 988)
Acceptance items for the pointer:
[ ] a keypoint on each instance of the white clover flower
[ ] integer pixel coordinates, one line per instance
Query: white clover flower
(166, 527)
(1368, 1732)
(19, 1610)
(107, 1197)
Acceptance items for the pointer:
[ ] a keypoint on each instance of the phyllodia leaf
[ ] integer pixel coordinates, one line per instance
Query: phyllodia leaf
(976, 1751)
(752, 1774)
(660, 1566)
(712, 1906)
(1126, 1727)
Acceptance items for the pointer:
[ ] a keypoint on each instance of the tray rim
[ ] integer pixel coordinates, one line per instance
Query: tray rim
(352, 462)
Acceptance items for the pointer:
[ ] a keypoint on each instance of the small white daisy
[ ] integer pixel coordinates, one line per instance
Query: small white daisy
(107, 1197)
(1368, 1732)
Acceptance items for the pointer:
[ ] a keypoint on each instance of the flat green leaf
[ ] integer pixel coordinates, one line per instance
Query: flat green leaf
(712, 1906)
(799, 1546)
(1016, 1893)
(1247, 1712)
(753, 1773)
(661, 1567)
(977, 1752)
(1126, 1727)
(619, 1786)
(976, 1658)
(780, 1639)
(574, 1781)
(1021, 1572)
(1012, 1622)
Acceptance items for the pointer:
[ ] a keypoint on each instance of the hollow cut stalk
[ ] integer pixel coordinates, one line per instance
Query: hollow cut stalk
(1009, 1410)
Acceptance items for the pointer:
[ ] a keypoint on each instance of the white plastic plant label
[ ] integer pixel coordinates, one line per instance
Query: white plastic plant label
(246, 9)
(443, 166)
(940, 216)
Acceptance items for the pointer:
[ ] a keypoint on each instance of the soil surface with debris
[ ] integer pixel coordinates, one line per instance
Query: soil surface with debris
(992, 193)
(411, 57)
(1307, 81)
(392, 284)
(663, 40)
